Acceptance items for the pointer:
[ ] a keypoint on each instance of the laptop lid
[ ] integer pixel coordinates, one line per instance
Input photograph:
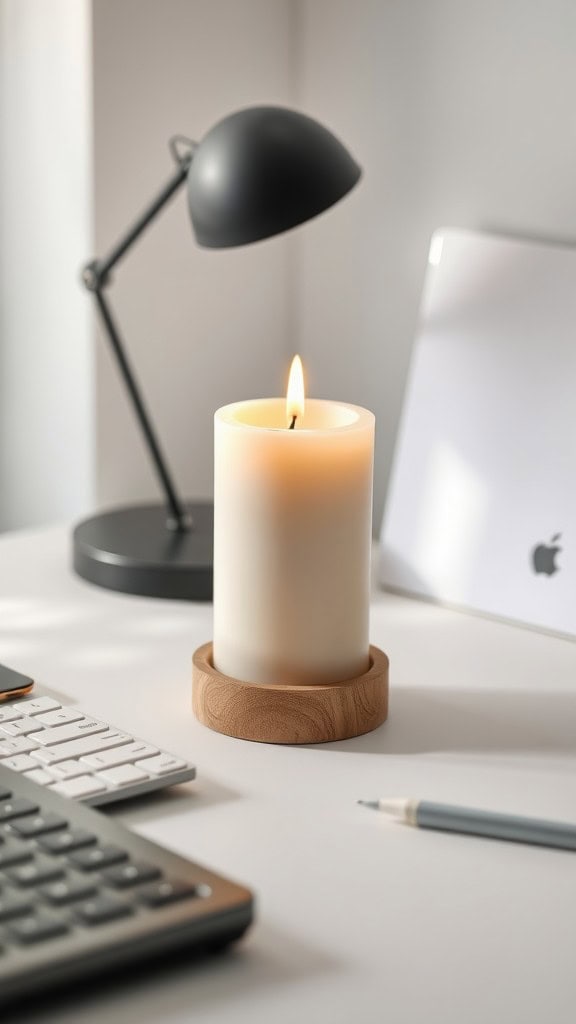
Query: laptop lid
(481, 508)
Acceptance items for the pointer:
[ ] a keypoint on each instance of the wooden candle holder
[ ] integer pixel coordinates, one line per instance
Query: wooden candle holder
(280, 713)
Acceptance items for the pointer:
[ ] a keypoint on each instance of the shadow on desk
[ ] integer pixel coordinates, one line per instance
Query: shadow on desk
(183, 987)
(436, 721)
(195, 795)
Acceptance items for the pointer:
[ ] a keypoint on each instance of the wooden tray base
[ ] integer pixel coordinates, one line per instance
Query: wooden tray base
(277, 713)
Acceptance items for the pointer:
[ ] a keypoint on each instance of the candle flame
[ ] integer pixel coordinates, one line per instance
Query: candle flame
(295, 393)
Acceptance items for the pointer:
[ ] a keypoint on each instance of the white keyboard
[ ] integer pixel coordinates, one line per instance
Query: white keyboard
(80, 757)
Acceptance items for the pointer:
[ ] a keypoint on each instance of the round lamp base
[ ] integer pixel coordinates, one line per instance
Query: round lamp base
(133, 550)
(278, 713)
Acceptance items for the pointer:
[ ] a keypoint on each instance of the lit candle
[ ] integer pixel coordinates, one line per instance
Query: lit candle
(292, 538)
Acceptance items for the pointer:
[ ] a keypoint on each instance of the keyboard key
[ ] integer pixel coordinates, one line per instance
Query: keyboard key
(40, 871)
(16, 745)
(68, 891)
(20, 728)
(66, 770)
(37, 705)
(9, 714)
(161, 765)
(162, 893)
(19, 763)
(39, 824)
(64, 733)
(14, 853)
(14, 904)
(103, 909)
(16, 808)
(84, 785)
(61, 842)
(123, 775)
(99, 857)
(75, 748)
(37, 929)
(126, 875)
(38, 775)
(122, 755)
(62, 716)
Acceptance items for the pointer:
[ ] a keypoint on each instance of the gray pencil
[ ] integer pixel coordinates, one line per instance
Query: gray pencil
(449, 818)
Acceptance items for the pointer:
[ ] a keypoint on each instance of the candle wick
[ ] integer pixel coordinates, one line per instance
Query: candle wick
(293, 424)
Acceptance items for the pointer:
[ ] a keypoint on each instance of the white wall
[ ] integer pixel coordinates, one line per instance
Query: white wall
(45, 230)
(459, 110)
(462, 113)
(203, 327)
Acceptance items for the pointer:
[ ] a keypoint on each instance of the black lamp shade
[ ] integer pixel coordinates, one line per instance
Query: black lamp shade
(264, 170)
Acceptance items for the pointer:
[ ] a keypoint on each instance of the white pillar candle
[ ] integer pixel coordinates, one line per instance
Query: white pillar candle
(292, 539)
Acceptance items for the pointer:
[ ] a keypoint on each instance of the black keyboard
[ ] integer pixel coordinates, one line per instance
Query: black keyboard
(80, 894)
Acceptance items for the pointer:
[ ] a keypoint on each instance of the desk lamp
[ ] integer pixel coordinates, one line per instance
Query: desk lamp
(258, 172)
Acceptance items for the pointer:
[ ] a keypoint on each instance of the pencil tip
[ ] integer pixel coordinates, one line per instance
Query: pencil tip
(369, 803)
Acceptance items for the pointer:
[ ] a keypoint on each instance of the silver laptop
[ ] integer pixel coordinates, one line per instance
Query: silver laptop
(481, 509)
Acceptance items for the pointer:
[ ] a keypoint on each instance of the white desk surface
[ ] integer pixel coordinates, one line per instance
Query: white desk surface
(357, 920)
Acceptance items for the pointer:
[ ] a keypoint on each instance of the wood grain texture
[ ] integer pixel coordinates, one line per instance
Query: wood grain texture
(276, 713)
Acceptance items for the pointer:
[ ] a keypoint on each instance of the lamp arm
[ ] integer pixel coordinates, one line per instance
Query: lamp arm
(96, 277)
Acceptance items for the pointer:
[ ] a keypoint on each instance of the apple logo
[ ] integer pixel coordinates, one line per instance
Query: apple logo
(544, 556)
